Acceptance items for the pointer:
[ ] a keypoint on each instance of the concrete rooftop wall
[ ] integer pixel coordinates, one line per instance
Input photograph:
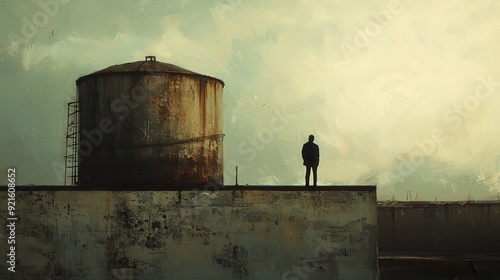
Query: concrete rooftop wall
(233, 233)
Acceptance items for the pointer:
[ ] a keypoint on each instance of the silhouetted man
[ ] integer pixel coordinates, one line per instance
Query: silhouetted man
(310, 155)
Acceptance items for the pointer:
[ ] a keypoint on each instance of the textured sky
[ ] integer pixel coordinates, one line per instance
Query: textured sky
(402, 94)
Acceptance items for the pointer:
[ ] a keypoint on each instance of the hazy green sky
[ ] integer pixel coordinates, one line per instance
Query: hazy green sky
(402, 94)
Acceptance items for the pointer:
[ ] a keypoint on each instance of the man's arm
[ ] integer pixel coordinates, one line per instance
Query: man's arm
(317, 151)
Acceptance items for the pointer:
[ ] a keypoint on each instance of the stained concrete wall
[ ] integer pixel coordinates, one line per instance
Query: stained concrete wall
(452, 228)
(231, 233)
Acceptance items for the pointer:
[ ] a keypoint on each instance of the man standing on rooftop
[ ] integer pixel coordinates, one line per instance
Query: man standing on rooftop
(310, 155)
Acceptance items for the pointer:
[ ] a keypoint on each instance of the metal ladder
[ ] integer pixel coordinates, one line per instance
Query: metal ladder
(71, 158)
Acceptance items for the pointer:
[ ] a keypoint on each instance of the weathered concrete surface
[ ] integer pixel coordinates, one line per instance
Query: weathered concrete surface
(279, 233)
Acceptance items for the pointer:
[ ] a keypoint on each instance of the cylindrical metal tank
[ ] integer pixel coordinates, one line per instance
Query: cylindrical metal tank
(149, 123)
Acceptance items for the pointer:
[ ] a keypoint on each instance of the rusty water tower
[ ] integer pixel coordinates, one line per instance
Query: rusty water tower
(149, 123)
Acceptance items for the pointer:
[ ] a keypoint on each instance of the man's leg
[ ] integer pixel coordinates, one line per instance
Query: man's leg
(308, 173)
(315, 174)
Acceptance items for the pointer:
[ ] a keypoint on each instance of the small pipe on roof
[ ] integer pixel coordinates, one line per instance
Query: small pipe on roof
(236, 175)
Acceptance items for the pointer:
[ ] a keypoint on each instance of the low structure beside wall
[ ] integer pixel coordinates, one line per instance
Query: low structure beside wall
(230, 233)
(439, 240)
(449, 228)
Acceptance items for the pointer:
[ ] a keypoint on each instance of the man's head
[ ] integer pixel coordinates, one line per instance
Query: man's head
(311, 138)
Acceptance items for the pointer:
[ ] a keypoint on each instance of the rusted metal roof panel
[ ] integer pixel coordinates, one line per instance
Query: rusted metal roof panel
(150, 65)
